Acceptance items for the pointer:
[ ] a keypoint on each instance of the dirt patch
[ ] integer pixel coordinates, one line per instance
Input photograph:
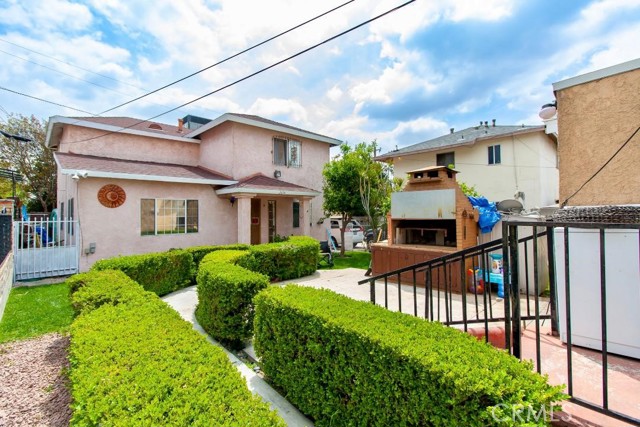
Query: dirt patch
(33, 383)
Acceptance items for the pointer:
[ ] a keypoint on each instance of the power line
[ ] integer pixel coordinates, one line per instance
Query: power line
(70, 64)
(262, 70)
(48, 102)
(229, 58)
(63, 73)
(601, 167)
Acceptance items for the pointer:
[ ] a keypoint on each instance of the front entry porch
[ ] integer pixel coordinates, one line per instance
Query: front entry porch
(268, 208)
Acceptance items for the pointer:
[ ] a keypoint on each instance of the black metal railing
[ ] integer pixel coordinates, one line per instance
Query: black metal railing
(581, 254)
(442, 290)
(457, 289)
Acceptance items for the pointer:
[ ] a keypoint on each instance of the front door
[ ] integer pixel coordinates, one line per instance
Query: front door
(272, 220)
(255, 221)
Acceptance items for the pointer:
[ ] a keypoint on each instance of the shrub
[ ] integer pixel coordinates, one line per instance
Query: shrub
(160, 272)
(225, 297)
(345, 362)
(199, 252)
(134, 365)
(91, 290)
(224, 256)
(294, 258)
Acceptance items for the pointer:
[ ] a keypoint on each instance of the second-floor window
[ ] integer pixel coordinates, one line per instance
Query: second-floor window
(287, 152)
(446, 159)
(494, 154)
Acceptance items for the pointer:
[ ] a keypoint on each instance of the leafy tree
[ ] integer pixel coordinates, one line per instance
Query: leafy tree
(32, 159)
(341, 183)
(376, 185)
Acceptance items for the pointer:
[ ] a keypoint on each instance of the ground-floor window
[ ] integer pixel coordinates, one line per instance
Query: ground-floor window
(168, 216)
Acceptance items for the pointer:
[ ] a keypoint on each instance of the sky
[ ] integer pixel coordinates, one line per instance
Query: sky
(404, 78)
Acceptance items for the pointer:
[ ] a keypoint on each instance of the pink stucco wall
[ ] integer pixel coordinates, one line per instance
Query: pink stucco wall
(116, 231)
(240, 150)
(77, 140)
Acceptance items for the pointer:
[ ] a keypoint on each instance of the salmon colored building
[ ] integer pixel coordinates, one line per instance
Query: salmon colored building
(137, 186)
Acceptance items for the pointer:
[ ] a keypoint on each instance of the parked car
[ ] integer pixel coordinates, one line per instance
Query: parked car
(353, 227)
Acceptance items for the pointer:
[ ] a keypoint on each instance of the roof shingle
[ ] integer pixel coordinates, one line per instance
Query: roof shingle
(71, 161)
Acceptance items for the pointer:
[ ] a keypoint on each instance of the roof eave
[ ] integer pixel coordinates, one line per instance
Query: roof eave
(597, 74)
(249, 190)
(140, 177)
(244, 120)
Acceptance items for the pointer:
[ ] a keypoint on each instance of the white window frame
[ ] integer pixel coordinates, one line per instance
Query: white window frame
(292, 152)
(491, 155)
(184, 216)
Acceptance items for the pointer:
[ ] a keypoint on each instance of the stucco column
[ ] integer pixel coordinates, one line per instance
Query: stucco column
(244, 217)
(306, 216)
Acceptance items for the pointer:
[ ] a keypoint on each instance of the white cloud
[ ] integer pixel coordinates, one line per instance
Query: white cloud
(294, 70)
(394, 80)
(335, 93)
(424, 124)
(278, 107)
(41, 18)
(487, 10)
(621, 46)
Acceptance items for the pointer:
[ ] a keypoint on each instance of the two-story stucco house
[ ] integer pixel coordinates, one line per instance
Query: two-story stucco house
(137, 186)
(501, 162)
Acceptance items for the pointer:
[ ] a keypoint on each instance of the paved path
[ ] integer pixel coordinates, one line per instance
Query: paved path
(184, 302)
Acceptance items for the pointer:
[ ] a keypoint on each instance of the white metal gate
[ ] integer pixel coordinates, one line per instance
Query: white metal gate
(45, 248)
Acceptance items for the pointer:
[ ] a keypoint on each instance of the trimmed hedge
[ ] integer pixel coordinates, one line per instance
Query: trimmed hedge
(296, 257)
(199, 252)
(138, 363)
(224, 257)
(159, 272)
(93, 289)
(346, 362)
(225, 297)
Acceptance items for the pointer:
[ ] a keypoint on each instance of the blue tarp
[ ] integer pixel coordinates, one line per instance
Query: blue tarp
(488, 212)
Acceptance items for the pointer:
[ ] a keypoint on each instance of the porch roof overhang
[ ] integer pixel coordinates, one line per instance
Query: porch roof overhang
(262, 185)
(103, 167)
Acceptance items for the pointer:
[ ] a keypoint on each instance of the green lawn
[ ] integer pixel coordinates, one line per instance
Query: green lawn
(354, 259)
(33, 311)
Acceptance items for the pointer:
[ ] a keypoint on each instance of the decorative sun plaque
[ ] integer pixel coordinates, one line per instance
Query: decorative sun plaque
(111, 196)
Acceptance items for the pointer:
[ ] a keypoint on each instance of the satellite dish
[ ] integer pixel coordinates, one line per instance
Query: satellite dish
(510, 206)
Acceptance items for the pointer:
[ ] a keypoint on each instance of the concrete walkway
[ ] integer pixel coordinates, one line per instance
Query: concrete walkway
(184, 302)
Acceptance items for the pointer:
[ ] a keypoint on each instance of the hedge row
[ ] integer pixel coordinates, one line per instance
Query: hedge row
(138, 363)
(345, 362)
(225, 297)
(165, 272)
(159, 272)
(296, 257)
(198, 252)
(94, 289)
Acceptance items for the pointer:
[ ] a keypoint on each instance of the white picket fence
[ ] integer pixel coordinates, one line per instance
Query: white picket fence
(45, 248)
